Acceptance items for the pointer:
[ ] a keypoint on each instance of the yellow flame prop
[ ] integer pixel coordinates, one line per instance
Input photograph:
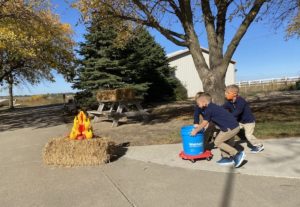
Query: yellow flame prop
(81, 127)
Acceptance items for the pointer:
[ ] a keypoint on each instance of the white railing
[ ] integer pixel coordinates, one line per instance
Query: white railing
(285, 80)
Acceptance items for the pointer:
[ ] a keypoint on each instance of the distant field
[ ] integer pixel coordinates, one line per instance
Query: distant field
(39, 100)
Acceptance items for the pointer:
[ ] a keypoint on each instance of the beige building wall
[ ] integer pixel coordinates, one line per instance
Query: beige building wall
(187, 73)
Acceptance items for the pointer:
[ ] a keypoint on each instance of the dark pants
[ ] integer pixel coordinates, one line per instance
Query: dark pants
(209, 136)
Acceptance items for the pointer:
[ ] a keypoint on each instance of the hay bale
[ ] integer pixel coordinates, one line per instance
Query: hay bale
(121, 94)
(69, 153)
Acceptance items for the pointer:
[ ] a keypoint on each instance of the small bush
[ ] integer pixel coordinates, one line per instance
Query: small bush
(298, 85)
(86, 100)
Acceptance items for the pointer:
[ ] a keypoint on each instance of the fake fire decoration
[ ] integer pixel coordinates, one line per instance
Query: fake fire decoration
(81, 128)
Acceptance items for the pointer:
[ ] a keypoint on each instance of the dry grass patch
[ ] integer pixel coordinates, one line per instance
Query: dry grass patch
(68, 153)
(39, 100)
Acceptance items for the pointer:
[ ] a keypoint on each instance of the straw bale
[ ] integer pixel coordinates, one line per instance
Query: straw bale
(121, 94)
(69, 153)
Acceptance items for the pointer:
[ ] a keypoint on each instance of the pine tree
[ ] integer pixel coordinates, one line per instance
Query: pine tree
(140, 64)
(148, 67)
(99, 67)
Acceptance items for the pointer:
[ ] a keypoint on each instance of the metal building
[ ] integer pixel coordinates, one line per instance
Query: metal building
(186, 71)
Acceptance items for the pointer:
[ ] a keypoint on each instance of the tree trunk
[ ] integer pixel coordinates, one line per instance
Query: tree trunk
(213, 79)
(10, 90)
(214, 84)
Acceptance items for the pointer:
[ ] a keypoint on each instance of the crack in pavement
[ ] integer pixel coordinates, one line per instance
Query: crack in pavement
(119, 189)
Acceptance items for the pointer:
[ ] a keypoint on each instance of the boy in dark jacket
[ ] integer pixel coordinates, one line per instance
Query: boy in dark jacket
(242, 112)
(228, 125)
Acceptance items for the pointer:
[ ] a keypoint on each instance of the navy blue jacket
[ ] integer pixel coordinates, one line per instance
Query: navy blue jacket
(240, 110)
(218, 115)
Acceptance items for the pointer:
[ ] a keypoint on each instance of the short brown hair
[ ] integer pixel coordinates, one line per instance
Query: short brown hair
(205, 95)
(233, 87)
(198, 95)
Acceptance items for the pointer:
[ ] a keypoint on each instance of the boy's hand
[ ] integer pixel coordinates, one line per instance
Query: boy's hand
(194, 132)
(196, 125)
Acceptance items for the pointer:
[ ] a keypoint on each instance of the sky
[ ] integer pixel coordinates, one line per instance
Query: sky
(262, 54)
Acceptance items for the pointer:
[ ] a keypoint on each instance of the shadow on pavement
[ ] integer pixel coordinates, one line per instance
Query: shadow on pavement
(228, 189)
(35, 117)
(119, 151)
(292, 149)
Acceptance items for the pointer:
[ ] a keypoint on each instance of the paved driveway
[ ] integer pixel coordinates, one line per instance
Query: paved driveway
(136, 179)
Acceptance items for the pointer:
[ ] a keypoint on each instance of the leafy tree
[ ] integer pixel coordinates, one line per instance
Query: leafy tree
(214, 16)
(30, 51)
(22, 10)
(294, 27)
(140, 64)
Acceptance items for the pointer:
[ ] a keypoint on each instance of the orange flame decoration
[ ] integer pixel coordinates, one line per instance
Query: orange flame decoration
(82, 127)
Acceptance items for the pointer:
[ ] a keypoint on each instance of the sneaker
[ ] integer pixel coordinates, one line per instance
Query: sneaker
(239, 158)
(257, 149)
(225, 161)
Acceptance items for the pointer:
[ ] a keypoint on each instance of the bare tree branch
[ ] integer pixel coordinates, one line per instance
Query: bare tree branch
(209, 21)
(176, 9)
(187, 13)
(169, 34)
(242, 30)
(221, 22)
(152, 22)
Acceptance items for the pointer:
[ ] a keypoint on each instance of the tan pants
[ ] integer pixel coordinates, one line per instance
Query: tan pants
(249, 129)
(225, 143)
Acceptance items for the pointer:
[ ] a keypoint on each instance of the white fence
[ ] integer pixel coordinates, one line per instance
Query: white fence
(268, 84)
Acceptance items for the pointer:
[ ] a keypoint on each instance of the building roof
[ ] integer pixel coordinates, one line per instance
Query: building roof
(181, 53)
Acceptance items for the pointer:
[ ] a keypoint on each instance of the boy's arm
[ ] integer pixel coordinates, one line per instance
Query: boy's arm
(206, 119)
(196, 115)
(199, 128)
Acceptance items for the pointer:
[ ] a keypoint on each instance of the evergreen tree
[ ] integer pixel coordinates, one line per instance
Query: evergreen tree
(148, 67)
(140, 64)
(99, 67)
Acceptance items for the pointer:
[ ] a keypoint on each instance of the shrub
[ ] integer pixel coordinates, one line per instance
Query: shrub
(298, 85)
(86, 100)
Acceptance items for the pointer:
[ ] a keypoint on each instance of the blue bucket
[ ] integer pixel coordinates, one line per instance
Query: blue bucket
(191, 145)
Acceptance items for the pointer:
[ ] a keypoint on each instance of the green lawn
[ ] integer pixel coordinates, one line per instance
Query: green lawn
(277, 121)
(277, 129)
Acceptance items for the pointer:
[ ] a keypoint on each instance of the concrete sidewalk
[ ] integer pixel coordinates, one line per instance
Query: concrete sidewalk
(281, 158)
(26, 182)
